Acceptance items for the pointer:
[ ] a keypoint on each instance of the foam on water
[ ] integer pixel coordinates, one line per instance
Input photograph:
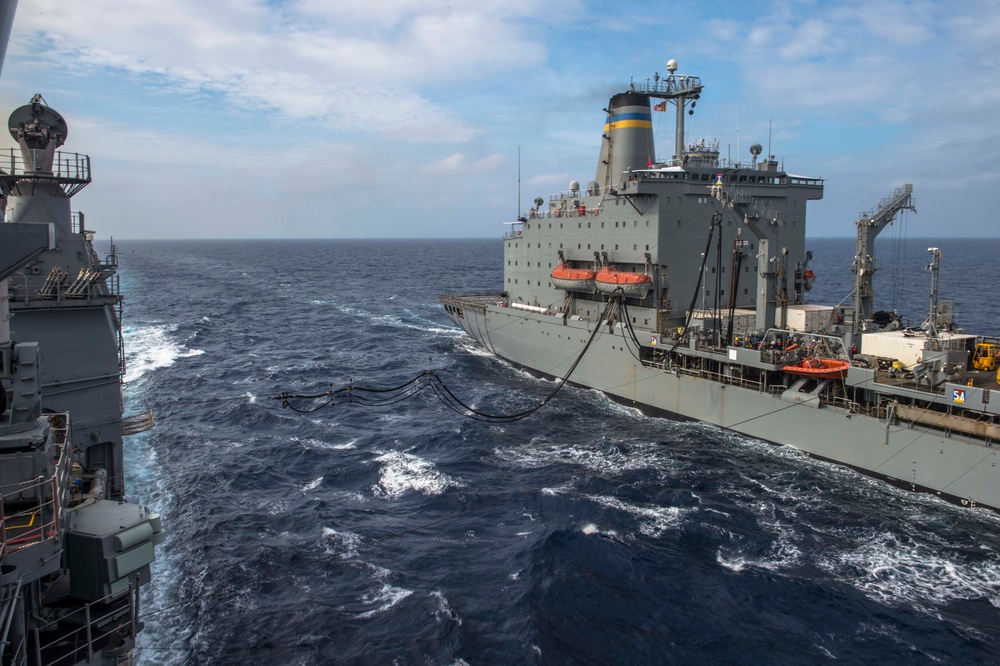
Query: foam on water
(343, 544)
(407, 321)
(150, 348)
(383, 597)
(312, 485)
(654, 521)
(443, 612)
(313, 443)
(470, 347)
(591, 529)
(913, 570)
(401, 472)
(595, 458)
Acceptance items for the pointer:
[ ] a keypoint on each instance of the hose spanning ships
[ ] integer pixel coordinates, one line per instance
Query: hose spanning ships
(73, 552)
(635, 253)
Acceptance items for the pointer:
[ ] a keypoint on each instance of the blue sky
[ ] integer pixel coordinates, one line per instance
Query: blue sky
(403, 118)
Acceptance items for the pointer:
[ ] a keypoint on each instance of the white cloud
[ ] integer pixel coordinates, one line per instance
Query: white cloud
(354, 66)
(401, 117)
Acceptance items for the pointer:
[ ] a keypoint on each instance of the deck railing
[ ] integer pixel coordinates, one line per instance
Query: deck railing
(38, 519)
(70, 171)
(88, 284)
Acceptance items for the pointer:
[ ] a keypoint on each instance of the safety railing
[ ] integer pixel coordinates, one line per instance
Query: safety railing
(71, 171)
(11, 653)
(104, 626)
(39, 502)
(92, 283)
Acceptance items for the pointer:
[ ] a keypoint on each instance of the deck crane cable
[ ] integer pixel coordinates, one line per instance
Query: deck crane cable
(428, 378)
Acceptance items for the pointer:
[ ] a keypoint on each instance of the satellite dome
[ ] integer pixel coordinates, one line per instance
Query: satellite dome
(574, 186)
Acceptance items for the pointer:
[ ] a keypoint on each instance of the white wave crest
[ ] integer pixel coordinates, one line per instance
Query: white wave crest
(313, 443)
(654, 521)
(443, 611)
(591, 529)
(384, 597)
(541, 453)
(404, 471)
(312, 485)
(149, 348)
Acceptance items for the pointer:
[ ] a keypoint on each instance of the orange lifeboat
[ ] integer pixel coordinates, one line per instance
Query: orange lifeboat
(573, 279)
(820, 368)
(636, 285)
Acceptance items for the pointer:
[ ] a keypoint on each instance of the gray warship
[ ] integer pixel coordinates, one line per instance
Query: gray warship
(73, 552)
(679, 286)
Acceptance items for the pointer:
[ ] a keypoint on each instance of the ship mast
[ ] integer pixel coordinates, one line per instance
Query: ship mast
(679, 90)
(932, 314)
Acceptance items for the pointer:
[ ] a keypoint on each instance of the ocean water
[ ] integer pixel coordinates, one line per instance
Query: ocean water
(585, 534)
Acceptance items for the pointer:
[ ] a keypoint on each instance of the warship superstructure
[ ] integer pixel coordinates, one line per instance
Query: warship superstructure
(73, 552)
(680, 286)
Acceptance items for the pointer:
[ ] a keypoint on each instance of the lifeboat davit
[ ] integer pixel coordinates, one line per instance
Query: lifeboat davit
(635, 285)
(573, 279)
(821, 368)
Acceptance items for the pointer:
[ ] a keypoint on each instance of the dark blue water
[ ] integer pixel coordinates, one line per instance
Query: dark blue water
(586, 534)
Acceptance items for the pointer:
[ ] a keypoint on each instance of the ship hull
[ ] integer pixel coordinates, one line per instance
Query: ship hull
(957, 468)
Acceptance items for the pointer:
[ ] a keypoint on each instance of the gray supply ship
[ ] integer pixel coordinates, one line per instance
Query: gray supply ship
(679, 286)
(73, 552)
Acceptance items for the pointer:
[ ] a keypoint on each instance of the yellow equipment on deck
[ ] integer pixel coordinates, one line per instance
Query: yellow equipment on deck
(985, 357)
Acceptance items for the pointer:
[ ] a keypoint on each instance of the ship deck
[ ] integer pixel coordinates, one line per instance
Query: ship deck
(983, 379)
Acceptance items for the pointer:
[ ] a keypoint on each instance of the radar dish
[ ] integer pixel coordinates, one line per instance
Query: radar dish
(36, 123)
(538, 202)
(671, 65)
(756, 149)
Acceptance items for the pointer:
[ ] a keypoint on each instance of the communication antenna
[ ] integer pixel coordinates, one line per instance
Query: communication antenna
(518, 215)
(769, 156)
(738, 151)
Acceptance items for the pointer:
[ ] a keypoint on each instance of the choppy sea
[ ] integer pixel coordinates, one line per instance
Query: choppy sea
(585, 534)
